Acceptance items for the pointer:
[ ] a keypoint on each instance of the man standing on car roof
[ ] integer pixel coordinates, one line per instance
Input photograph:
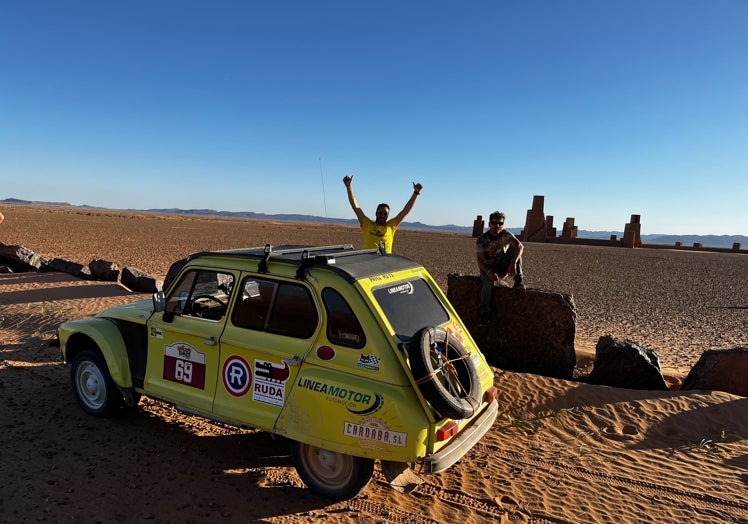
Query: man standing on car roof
(381, 229)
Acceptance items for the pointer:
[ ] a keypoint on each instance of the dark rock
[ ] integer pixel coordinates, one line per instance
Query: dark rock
(137, 280)
(104, 270)
(626, 364)
(721, 370)
(21, 259)
(532, 331)
(65, 266)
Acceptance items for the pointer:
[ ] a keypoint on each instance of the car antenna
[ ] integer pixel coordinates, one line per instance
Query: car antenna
(324, 198)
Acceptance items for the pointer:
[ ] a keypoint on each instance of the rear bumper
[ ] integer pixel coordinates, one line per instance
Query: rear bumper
(463, 442)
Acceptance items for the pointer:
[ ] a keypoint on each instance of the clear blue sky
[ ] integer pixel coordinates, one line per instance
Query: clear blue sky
(607, 108)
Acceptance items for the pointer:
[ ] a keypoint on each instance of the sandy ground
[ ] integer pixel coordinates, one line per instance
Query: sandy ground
(560, 451)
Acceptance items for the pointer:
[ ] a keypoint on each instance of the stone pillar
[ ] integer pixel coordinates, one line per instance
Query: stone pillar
(550, 231)
(570, 230)
(632, 232)
(535, 226)
(478, 226)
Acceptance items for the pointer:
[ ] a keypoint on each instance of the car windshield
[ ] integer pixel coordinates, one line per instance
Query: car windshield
(410, 305)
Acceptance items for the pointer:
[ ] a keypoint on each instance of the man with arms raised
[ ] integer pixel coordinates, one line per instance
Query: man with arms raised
(382, 229)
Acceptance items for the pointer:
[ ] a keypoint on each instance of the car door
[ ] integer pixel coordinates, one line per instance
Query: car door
(184, 340)
(271, 328)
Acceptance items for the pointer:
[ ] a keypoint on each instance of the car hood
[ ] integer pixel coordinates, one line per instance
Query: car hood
(138, 312)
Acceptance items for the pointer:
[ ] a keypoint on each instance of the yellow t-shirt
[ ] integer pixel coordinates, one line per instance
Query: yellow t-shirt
(374, 233)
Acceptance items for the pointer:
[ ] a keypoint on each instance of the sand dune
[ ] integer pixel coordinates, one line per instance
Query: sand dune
(560, 451)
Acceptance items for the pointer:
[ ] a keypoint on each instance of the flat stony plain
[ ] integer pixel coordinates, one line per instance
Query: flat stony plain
(560, 451)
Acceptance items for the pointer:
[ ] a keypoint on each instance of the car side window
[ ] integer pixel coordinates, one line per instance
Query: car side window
(342, 325)
(202, 294)
(284, 308)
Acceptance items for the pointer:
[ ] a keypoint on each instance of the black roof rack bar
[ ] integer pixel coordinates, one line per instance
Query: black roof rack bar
(311, 249)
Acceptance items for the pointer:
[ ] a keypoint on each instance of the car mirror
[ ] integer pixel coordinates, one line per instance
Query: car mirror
(159, 301)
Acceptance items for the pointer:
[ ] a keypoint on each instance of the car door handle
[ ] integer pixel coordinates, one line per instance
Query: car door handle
(210, 341)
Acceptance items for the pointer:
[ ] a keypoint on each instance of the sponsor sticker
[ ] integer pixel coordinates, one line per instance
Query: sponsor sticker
(237, 377)
(357, 402)
(184, 364)
(372, 430)
(157, 332)
(457, 331)
(270, 382)
(401, 289)
(369, 362)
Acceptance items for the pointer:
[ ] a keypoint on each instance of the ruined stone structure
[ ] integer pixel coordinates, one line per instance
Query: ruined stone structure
(550, 231)
(569, 230)
(632, 232)
(535, 224)
(478, 225)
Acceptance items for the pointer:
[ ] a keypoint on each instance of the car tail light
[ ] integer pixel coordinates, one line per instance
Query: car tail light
(449, 430)
(490, 395)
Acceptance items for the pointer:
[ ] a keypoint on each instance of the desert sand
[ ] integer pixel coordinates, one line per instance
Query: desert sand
(560, 451)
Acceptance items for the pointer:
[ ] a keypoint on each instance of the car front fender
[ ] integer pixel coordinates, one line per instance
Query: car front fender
(100, 334)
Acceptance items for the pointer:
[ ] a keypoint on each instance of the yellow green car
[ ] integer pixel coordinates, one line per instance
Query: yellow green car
(354, 356)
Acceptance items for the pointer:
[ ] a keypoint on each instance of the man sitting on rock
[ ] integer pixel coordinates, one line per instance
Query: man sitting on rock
(499, 253)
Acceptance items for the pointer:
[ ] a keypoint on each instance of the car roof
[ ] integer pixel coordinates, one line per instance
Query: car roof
(344, 259)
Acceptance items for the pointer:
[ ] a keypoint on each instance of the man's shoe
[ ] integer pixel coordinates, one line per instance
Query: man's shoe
(485, 319)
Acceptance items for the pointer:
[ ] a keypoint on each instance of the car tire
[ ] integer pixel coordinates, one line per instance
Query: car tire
(445, 373)
(332, 475)
(93, 386)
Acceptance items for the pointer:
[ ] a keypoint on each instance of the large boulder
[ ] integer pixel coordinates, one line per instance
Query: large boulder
(720, 370)
(21, 259)
(626, 364)
(137, 280)
(532, 331)
(65, 266)
(104, 270)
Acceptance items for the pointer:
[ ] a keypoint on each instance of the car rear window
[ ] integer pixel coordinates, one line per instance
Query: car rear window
(410, 305)
(277, 307)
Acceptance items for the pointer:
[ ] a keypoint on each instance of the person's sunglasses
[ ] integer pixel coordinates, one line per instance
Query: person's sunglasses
(496, 223)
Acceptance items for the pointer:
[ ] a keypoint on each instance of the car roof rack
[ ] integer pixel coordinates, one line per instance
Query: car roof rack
(344, 259)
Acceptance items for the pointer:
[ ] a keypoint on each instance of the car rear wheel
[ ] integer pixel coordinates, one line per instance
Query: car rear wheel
(330, 474)
(93, 386)
(445, 373)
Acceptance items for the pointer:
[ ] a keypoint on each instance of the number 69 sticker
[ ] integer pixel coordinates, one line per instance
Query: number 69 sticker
(185, 365)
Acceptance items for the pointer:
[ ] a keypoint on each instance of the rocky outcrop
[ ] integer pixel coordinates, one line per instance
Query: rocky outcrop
(137, 280)
(721, 370)
(20, 259)
(626, 364)
(532, 331)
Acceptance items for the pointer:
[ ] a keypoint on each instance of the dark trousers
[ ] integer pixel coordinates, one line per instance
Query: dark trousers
(500, 268)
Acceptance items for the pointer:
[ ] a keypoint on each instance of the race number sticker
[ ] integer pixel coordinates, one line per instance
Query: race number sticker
(184, 364)
(237, 377)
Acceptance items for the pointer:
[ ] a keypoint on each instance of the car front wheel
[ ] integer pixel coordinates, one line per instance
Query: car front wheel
(330, 474)
(93, 386)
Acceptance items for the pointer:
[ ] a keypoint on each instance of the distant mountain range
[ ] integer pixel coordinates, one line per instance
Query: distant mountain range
(719, 241)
